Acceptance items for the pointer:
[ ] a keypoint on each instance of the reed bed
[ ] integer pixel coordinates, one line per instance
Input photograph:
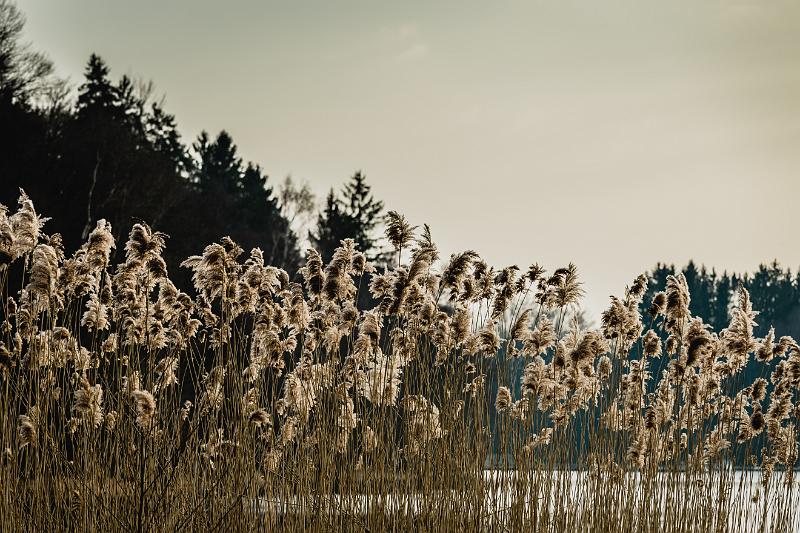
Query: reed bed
(465, 398)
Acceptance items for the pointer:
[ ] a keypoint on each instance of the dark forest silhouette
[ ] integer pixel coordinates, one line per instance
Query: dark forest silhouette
(115, 153)
(775, 293)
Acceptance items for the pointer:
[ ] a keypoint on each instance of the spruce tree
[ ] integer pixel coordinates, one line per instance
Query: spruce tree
(355, 216)
(365, 212)
(333, 225)
(97, 91)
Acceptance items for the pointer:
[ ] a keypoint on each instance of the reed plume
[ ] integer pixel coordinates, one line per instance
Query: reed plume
(461, 397)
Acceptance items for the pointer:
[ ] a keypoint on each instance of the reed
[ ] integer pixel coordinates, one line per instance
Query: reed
(466, 398)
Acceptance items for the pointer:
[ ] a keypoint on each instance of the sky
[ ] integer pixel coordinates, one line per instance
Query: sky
(611, 134)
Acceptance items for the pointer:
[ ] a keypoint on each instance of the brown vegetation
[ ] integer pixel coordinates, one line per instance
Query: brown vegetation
(267, 400)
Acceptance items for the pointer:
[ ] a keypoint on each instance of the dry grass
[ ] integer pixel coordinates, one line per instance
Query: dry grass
(268, 401)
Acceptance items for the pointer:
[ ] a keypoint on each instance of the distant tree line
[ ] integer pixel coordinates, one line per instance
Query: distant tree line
(774, 291)
(114, 152)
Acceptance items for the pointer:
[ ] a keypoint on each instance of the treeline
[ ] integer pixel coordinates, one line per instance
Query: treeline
(114, 152)
(774, 291)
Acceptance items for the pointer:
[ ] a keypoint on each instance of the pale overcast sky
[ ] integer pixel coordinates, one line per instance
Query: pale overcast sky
(613, 134)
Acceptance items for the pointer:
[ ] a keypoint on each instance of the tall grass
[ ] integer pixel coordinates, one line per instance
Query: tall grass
(268, 401)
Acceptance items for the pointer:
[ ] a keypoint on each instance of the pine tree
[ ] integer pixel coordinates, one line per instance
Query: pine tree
(722, 302)
(365, 211)
(97, 91)
(162, 132)
(333, 225)
(219, 169)
(355, 216)
(236, 197)
(703, 291)
(692, 276)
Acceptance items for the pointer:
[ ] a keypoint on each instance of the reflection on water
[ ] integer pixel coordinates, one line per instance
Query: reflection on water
(745, 503)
